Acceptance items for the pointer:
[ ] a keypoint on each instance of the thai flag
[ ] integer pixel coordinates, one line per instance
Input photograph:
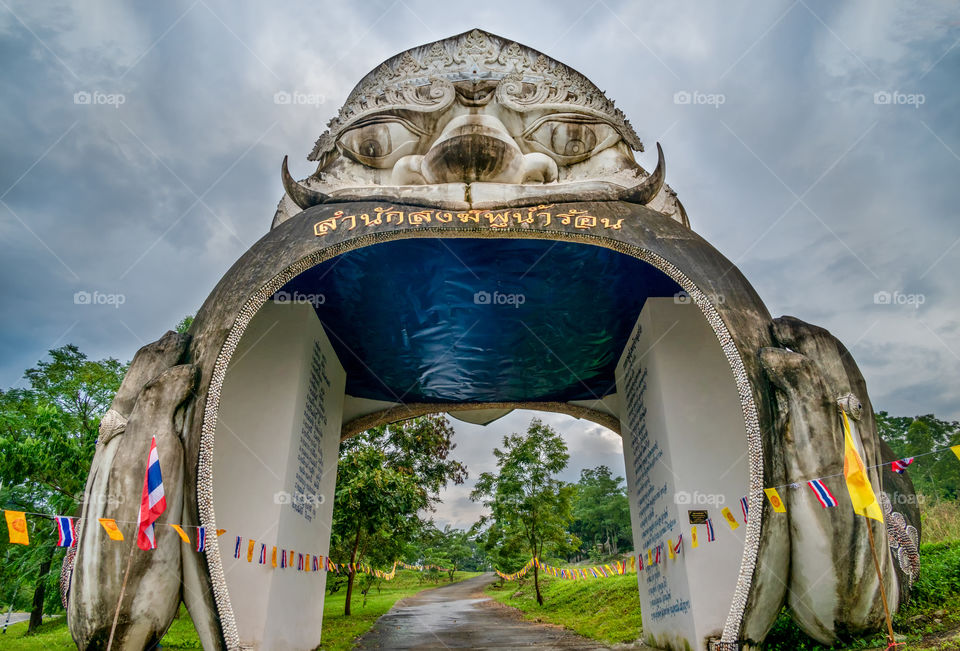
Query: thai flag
(153, 502)
(300, 562)
(744, 508)
(201, 539)
(679, 545)
(710, 536)
(316, 564)
(900, 465)
(656, 557)
(823, 494)
(66, 532)
(263, 554)
(283, 559)
(236, 549)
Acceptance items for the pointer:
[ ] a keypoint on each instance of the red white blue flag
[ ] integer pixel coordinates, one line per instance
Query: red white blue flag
(679, 545)
(300, 562)
(236, 549)
(710, 536)
(824, 496)
(900, 465)
(744, 508)
(283, 559)
(263, 554)
(201, 539)
(316, 564)
(66, 531)
(153, 502)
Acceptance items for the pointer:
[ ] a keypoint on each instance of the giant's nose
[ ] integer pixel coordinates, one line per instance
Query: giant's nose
(474, 148)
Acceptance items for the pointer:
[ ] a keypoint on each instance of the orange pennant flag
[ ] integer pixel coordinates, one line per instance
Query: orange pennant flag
(183, 534)
(273, 557)
(17, 527)
(862, 497)
(775, 500)
(250, 546)
(220, 532)
(110, 525)
(732, 521)
(307, 561)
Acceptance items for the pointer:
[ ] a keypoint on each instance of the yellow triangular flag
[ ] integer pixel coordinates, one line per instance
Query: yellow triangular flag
(775, 500)
(728, 516)
(17, 527)
(183, 534)
(649, 557)
(220, 532)
(858, 483)
(693, 536)
(956, 450)
(110, 525)
(670, 549)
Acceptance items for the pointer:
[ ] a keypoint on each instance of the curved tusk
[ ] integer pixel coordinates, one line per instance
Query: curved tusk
(301, 195)
(644, 192)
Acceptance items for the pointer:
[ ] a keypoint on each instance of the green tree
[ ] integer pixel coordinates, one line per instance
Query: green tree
(386, 477)
(184, 324)
(529, 506)
(936, 476)
(47, 438)
(601, 511)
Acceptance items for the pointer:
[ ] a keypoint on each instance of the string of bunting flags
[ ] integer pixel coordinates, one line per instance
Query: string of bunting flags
(672, 549)
(153, 504)
(599, 571)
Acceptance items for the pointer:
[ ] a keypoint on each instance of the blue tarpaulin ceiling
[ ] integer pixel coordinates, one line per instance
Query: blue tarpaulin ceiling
(480, 320)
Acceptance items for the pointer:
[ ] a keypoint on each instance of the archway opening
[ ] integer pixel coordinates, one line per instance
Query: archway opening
(478, 327)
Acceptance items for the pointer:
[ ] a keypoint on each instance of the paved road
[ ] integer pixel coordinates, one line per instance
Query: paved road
(459, 615)
(14, 617)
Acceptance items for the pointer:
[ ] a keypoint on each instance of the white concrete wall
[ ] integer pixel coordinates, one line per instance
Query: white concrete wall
(264, 439)
(684, 445)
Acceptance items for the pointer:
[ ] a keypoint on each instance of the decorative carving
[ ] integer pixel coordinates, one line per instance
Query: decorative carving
(904, 541)
(475, 55)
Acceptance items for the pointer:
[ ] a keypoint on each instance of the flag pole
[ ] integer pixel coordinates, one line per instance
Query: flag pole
(123, 588)
(883, 590)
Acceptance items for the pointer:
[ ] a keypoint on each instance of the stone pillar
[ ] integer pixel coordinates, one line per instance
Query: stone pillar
(277, 444)
(685, 449)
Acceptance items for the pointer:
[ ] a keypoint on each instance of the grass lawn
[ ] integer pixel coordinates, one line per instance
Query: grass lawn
(339, 632)
(609, 610)
(603, 609)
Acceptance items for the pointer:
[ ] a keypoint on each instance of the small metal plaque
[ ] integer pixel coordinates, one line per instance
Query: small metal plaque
(698, 516)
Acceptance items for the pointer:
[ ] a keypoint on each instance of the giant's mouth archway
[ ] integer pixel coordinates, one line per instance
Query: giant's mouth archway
(417, 322)
(478, 236)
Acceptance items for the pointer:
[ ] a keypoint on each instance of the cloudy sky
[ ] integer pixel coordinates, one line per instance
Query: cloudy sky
(819, 150)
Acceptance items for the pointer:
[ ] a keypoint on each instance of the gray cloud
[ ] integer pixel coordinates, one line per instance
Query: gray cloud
(156, 198)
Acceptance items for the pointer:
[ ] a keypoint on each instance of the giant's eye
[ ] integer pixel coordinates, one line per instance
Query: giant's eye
(380, 142)
(570, 138)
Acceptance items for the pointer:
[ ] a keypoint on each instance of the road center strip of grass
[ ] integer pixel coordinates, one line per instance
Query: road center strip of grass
(606, 609)
(340, 632)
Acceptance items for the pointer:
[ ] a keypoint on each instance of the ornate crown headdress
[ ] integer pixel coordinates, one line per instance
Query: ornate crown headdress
(422, 78)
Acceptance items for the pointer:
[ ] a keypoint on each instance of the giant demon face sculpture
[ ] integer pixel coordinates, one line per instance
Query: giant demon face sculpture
(475, 124)
(474, 121)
